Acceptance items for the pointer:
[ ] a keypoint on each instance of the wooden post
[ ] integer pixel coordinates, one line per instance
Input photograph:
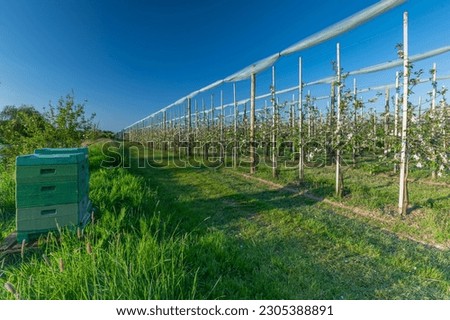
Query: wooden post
(396, 102)
(355, 122)
(419, 112)
(204, 113)
(434, 89)
(212, 111)
(386, 121)
(196, 132)
(235, 149)
(332, 105)
(403, 192)
(310, 115)
(266, 135)
(180, 129)
(274, 127)
(205, 132)
(433, 122)
(301, 165)
(252, 124)
(331, 130)
(196, 114)
(396, 111)
(189, 128)
(339, 178)
(221, 145)
(374, 130)
(292, 114)
(164, 123)
(291, 123)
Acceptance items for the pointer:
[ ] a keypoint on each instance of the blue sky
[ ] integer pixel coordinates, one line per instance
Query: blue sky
(128, 59)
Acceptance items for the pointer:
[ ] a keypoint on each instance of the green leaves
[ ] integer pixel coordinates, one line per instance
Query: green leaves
(23, 129)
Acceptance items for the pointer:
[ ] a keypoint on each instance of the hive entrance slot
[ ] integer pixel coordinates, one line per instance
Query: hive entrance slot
(48, 188)
(48, 211)
(48, 171)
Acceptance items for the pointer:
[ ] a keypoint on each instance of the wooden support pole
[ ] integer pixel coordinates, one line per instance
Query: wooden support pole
(301, 165)
(331, 126)
(292, 114)
(212, 111)
(433, 122)
(419, 111)
(396, 111)
(235, 148)
(403, 192)
(164, 135)
(310, 115)
(339, 178)
(396, 103)
(434, 89)
(274, 127)
(266, 134)
(204, 113)
(386, 121)
(221, 123)
(196, 114)
(355, 121)
(189, 128)
(252, 124)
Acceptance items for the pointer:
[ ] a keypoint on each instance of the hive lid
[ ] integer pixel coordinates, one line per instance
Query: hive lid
(61, 150)
(50, 159)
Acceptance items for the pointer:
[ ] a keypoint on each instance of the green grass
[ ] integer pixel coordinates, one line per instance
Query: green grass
(257, 243)
(126, 254)
(7, 202)
(428, 216)
(183, 233)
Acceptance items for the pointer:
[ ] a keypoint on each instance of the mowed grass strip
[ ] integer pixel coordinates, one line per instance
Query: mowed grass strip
(428, 217)
(253, 242)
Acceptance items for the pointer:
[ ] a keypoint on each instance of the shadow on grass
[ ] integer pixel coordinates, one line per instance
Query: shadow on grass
(273, 244)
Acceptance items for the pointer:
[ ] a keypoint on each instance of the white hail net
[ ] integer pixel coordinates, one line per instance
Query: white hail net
(313, 40)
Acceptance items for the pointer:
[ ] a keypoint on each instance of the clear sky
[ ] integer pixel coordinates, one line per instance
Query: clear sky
(128, 59)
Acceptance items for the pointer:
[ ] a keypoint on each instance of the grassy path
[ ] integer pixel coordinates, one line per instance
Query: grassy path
(251, 241)
(387, 223)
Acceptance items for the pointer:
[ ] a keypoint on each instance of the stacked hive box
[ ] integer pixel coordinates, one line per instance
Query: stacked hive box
(52, 188)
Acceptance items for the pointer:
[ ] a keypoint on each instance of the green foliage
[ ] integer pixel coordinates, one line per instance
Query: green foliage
(68, 122)
(7, 202)
(23, 129)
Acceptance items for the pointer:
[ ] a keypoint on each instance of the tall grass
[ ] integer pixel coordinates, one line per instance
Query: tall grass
(7, 202)
(125, 253)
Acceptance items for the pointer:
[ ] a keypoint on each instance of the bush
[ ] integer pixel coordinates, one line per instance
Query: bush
(23, 129)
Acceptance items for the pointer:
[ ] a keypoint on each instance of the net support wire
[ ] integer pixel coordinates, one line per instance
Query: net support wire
(313, 40)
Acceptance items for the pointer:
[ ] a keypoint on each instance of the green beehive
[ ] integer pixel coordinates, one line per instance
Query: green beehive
(55, 151)
(62, 151)
(50, 179)
(52, 189)
(50, 193)
(33, 221)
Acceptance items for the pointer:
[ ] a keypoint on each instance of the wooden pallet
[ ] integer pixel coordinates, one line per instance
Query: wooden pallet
(10, 244)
